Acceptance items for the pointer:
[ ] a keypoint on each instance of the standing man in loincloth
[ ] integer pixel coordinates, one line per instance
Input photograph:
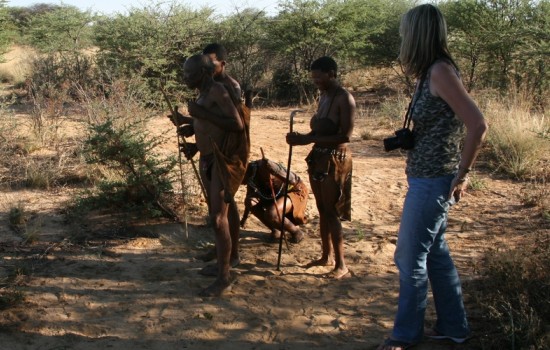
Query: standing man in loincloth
(218, 55)
(221, 135)
(329, 162)
(265, 198)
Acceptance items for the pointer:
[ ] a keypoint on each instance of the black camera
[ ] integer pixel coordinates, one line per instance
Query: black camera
(403, 139)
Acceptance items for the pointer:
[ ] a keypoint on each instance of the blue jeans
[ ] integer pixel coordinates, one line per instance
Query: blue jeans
(422, 254)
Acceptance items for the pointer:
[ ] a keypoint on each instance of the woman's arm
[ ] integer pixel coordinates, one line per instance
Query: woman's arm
(445, 83)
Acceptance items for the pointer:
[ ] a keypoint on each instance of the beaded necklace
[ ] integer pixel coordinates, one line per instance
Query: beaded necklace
(256, 188)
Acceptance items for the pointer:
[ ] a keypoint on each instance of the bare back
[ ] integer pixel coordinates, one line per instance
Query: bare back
(215, 100)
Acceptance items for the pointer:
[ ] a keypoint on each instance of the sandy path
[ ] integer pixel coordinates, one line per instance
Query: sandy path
(139, 291)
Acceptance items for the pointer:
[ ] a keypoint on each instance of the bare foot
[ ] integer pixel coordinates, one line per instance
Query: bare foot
(235, 262)
(320, 262)
(275, 235)
(212, 269)
(297, 237)
(216, 289)
(338, 273)
(209, 270)
(207, 256)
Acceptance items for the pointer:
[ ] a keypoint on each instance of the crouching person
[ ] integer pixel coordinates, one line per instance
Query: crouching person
(265, 181)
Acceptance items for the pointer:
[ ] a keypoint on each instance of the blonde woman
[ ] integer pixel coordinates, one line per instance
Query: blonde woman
(437, 172)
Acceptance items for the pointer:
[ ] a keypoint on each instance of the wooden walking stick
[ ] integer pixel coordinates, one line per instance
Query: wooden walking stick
(281, 218)
(181, 141)
(285, 190)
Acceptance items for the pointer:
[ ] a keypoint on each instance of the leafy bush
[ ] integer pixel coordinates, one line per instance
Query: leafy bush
(140, 175)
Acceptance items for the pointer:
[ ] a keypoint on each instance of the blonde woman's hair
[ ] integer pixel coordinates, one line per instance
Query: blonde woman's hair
(423, 33)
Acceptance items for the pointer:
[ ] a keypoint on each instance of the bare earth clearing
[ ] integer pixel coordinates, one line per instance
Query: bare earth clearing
(136, 287)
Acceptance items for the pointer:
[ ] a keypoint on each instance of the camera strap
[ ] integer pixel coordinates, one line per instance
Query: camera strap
(412, 103)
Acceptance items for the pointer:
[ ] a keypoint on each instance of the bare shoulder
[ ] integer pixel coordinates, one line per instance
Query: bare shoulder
(232, 82)
(443, 70)
(444, 76)
(346, 97)
(218, 89)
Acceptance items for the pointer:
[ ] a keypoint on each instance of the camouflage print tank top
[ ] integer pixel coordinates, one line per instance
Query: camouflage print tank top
(438, 136)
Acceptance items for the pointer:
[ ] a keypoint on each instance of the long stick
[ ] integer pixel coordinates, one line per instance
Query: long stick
(174, 112)
(285, 191)
(273, 194)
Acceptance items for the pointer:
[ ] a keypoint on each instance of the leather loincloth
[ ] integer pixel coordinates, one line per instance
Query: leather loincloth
(232, 157)
(326, 164)
(298, 196)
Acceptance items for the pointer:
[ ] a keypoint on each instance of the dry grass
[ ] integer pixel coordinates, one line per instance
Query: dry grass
(16, 65)
(518, 138)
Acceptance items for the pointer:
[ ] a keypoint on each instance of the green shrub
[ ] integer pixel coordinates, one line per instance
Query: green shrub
(138, 177)
(10, 295)
(18, 216)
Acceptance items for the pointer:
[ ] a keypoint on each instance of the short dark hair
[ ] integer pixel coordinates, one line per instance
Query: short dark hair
(325, 64)
(215, 48)
(202, 61)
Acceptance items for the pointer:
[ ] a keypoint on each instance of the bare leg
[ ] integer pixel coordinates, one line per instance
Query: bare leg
(272, 218)
(337, 238)
(211, 253)
(258, 211)
(234, 229)
(331, 223)
(326, 196)
(326, 244)
(220, 211)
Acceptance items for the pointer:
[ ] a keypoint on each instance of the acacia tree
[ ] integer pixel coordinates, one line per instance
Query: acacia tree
(151, 43)
(503, 43)
(243, 34)
(298, 35)
(61, 35)
(5, 25)
(367, 31)
(353, 31)
(469, 40)
(63, 29)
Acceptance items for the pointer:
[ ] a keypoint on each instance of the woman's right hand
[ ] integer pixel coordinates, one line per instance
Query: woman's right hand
(458, 188)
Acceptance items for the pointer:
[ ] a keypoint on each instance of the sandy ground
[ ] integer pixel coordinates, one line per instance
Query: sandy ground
(135, 287)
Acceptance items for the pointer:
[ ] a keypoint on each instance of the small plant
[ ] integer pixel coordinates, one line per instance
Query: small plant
(31, 234)
(476, 183)
(141, 176)
(537, 194)
(18, 217)
(360, 234)
(514, 296)
(366, 135)
(10, 295)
